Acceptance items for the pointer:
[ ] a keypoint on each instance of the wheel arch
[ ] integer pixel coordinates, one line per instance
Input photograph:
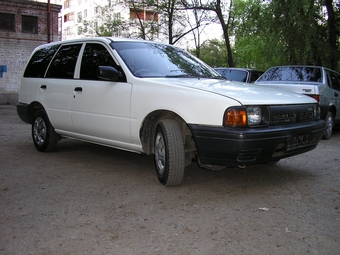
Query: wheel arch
(332, 109)
(149, 125)
(32, 108)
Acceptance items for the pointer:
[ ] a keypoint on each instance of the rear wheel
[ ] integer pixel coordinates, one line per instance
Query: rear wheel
(43, 134)
(329, 126)
(169, 153)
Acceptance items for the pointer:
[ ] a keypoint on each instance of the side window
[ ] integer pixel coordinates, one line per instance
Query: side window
(38, 63)
(254, 76)
(64, 63)
(96, 55)
(334, 80)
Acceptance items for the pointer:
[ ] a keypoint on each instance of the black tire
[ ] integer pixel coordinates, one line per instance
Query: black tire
(329, 126)
(44, 137)
(169, 153)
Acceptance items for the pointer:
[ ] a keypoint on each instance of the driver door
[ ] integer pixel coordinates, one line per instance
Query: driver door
(101, 109)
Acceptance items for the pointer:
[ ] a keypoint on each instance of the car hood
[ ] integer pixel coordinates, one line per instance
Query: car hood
(244, 93)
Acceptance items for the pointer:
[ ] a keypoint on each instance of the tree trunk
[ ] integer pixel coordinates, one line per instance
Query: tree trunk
(225, 33)
(332, 34)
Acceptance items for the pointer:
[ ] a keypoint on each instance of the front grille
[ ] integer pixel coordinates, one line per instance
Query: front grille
(306, 116)
(289, 114)
(284, 118)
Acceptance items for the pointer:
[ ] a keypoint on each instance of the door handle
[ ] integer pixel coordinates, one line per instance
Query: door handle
(336, 94)
(43, 86)
(78, 89)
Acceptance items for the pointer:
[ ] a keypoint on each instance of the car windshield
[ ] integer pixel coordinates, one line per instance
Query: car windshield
(233, 75)
(292, 73)
(161, 60)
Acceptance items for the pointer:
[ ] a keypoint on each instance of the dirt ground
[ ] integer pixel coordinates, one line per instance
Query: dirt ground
(88, 199)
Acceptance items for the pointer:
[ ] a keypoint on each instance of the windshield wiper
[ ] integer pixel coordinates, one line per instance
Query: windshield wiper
(180, 76)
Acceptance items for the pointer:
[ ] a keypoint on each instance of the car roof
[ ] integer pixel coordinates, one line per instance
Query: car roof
(102, 39)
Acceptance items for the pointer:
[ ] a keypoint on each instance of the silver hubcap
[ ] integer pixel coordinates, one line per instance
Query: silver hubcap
(160, 153)
(39, 131)
(329, 125)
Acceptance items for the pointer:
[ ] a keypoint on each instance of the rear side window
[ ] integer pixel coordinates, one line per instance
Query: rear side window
(38, 63)
(64, 63)
(334, 80)
(254, 75)
(293, 73)
(96, 55)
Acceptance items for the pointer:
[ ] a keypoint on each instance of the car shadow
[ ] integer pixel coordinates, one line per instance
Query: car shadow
(142, 169)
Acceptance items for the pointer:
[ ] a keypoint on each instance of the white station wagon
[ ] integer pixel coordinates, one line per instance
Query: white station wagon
(154, 98)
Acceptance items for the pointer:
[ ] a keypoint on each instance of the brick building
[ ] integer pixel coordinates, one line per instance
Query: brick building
(24, 25)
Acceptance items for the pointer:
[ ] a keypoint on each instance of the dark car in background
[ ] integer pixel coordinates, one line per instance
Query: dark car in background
(239, 74)
(321, 83)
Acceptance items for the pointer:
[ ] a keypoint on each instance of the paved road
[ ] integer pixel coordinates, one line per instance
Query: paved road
(87, 199)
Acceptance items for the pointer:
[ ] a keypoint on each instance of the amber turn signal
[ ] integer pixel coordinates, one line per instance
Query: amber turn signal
(236, 117)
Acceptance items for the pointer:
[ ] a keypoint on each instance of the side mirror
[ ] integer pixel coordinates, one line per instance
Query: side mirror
(107, 73)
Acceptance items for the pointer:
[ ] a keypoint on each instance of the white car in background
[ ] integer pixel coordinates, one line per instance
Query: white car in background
(318, 82)
(154, 98)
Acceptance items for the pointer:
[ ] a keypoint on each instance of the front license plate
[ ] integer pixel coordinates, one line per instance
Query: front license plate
(299, 141)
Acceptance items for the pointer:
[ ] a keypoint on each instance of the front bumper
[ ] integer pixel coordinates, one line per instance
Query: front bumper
(247, 146)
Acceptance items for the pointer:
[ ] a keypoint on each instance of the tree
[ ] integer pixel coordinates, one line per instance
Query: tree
(107, 22)
(143, 17)
(333, 23)
(198, 20)
(218, 8)
(172, 21)
(213, 52)
(285, 32)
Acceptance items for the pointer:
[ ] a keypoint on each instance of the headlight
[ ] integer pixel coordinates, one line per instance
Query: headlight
(242, 116)
(254, 114)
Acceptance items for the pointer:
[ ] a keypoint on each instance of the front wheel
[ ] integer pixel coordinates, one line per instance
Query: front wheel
(329, 126)
(169, 153)
(43, 134)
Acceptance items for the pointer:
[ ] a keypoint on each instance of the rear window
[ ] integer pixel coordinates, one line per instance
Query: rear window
(306, 74)
(38, 63)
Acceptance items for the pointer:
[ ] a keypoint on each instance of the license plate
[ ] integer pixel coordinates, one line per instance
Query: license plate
(300, 141)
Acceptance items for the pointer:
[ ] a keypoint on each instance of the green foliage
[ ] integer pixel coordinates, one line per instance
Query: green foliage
(282, 32)
(105, 23)
(108, 22)
(213, 52)
(262, 33)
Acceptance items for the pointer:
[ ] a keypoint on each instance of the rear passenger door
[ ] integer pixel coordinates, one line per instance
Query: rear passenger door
(55, 90)
(334, 84)
(101, 109)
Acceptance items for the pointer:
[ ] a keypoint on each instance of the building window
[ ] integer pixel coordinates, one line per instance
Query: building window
(29, 24)
(79, 17)
(68, 31)
(69, 17)
(7, 22)
(139, 14)
(67, 3)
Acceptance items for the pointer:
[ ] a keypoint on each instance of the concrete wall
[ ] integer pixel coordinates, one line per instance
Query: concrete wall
(16, 47)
